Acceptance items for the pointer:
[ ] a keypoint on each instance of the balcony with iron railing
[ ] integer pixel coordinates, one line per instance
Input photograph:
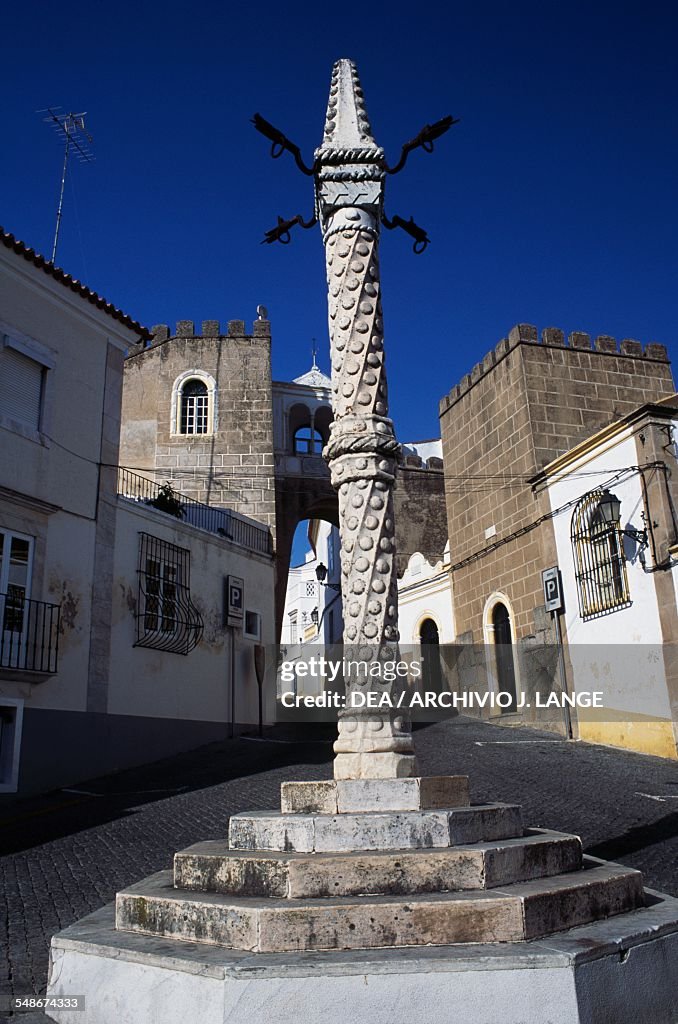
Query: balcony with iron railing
(29, 638)
(221, 521)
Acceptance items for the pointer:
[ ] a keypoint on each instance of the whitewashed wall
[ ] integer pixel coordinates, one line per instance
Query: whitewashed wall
(196, 686)
(618, 653)
(424, 592)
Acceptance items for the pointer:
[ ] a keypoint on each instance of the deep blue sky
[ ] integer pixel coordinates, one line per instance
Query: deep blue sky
(553, 202)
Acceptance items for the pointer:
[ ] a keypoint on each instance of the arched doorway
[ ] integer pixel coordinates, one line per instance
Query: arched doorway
(429, 638)
(503, 651)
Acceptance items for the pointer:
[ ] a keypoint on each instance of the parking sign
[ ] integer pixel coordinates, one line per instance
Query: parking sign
(553, 589)
(235, 600)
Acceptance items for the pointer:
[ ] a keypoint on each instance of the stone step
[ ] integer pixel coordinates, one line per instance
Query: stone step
(338, 796)
(213, 867)
(388, 830)
(526, 910)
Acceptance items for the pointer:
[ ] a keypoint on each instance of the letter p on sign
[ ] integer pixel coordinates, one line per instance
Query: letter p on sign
(553, 589)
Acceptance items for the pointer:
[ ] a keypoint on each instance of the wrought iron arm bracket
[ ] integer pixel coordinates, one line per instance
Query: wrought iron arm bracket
(421, 239)
(281, 233)
(426, 137)
(280, 143)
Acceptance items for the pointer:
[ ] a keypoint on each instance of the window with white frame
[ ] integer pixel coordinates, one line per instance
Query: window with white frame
(194, 404)
(194, 407)
(16, 556)
(22, 385)
(29, 630)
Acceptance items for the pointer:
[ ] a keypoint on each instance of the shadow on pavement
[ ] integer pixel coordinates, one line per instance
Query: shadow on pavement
(638, 838)
(31, 821)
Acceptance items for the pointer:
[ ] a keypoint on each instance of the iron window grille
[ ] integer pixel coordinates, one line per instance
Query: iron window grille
(167, 619)
(600, 564)
(194, 407)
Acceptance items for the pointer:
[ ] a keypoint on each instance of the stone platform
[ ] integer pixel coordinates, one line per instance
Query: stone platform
(384, 870)
(617, 971)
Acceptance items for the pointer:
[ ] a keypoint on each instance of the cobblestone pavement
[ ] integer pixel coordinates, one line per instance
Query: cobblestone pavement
(67, 853)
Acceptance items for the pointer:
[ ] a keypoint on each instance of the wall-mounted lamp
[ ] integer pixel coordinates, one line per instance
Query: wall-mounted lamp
(321, 576)
(609, 509)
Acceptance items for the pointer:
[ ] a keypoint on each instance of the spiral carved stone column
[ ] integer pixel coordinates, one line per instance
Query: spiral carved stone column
(362, 450)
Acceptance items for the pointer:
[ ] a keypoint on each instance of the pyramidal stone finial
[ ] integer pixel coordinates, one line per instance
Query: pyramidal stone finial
(347, 125)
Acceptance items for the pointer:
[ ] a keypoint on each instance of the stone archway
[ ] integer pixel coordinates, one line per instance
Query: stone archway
(296, 499)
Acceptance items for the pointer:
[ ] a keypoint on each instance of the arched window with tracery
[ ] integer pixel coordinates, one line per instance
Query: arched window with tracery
(599, 561)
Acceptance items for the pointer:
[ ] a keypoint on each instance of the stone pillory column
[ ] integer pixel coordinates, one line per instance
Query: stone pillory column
(349, 170)
(362, 448)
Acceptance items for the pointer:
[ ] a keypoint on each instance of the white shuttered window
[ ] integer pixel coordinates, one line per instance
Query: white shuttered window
(21, 386)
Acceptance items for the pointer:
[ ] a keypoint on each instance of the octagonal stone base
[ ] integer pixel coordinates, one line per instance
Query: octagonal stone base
(617, 971)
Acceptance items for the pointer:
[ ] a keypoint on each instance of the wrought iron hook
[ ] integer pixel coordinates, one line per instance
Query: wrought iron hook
(424, 139)
(280, 142)
(421, 239)
(281, 233)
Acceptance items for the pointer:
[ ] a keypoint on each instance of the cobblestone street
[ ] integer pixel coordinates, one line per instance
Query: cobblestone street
(67, 853)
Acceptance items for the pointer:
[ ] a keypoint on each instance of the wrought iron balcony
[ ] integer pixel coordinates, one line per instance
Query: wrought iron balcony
(221, 521)
(29, 639)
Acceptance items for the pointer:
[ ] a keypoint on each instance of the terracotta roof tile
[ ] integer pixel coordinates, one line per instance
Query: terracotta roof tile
(19, 247)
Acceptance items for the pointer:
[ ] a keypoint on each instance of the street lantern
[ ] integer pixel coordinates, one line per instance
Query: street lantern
(321, 576)
(609, 511)
(609, 508)
(321, 573)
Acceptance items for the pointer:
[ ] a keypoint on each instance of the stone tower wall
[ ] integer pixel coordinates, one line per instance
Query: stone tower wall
(524, 404)
(420, 513)
(234, 465)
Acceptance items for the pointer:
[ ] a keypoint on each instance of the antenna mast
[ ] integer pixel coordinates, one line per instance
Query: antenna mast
(71, 130)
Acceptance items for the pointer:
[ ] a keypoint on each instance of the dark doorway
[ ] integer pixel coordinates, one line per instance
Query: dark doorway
(503, 646)
(430, 642)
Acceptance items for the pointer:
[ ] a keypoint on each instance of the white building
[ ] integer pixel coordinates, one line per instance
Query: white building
(425, 610)
(100, 595)
(614, 502)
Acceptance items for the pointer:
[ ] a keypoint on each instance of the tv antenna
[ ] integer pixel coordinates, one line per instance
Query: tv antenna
(71, 131)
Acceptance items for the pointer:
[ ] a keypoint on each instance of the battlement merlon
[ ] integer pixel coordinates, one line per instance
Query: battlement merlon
(162, 333)
(553, 337)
